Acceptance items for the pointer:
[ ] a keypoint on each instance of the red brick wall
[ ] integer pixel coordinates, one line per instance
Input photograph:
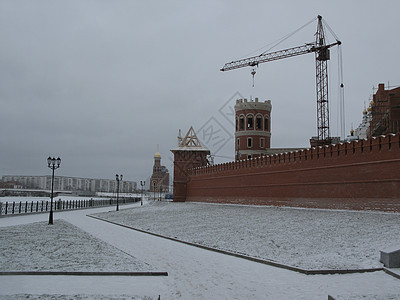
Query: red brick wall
(358, 175)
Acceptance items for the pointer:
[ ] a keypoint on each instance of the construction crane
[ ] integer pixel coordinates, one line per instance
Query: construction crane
(322, 55)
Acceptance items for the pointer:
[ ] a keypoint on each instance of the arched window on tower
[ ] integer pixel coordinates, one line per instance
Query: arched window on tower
(266, 124)
(241, 123)
(250, 122)
(237, 124)
(258, 123)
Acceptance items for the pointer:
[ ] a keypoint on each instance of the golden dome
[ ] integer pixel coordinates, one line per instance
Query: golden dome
(369, 108)
(352, 131)
(157, 155)
(371, 103)
(365, 111)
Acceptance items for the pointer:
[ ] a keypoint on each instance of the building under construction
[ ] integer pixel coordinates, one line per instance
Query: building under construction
(385, 111)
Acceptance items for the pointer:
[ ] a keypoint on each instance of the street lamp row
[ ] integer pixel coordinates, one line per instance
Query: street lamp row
(54, 163)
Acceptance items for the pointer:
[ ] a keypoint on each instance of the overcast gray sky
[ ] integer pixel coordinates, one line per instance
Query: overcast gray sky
(101, 83)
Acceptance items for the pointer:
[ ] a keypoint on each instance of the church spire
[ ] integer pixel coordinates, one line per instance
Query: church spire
(157, 155)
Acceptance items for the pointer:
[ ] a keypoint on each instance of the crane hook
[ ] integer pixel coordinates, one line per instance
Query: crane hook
(253, 73)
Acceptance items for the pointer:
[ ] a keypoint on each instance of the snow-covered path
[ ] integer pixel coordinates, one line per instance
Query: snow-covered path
(194, 273)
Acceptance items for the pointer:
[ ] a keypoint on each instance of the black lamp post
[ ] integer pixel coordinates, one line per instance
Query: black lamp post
(118, 178)
(160, 191)
(53, 164)
(142, 183)
(154, 190)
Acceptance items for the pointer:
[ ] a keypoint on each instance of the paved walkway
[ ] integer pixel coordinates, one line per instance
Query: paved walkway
(194, 273)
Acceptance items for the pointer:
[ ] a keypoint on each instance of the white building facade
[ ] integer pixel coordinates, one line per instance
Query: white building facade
(63, 183)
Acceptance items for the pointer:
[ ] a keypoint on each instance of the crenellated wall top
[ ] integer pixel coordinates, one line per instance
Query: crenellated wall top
(352, 149)
(243, 104)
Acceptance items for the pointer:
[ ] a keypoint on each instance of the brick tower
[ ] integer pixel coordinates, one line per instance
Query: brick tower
(189, 154)
(253, 128)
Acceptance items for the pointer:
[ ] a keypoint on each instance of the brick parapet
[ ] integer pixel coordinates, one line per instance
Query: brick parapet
(353, 151)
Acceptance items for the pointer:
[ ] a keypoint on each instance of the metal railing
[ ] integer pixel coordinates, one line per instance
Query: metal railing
(27, 207)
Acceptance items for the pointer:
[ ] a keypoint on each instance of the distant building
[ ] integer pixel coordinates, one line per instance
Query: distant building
(74, 184)
(10, 185)
(159, 181)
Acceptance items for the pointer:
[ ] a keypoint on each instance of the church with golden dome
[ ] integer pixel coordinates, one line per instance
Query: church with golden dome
(362, 131)
(159, 181)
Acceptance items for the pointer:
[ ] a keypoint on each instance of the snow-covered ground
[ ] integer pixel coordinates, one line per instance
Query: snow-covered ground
(194, 273)
(305, 238)
(64, 247)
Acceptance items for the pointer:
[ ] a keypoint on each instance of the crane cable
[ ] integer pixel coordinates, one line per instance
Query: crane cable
(341, 92)
(277, 42)
(330, 30)
(280, 41)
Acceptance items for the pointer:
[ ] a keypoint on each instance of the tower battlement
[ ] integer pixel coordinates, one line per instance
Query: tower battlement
(244, 104)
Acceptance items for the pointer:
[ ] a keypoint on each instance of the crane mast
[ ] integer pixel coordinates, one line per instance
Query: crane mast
(321, 67)
(322, 55)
